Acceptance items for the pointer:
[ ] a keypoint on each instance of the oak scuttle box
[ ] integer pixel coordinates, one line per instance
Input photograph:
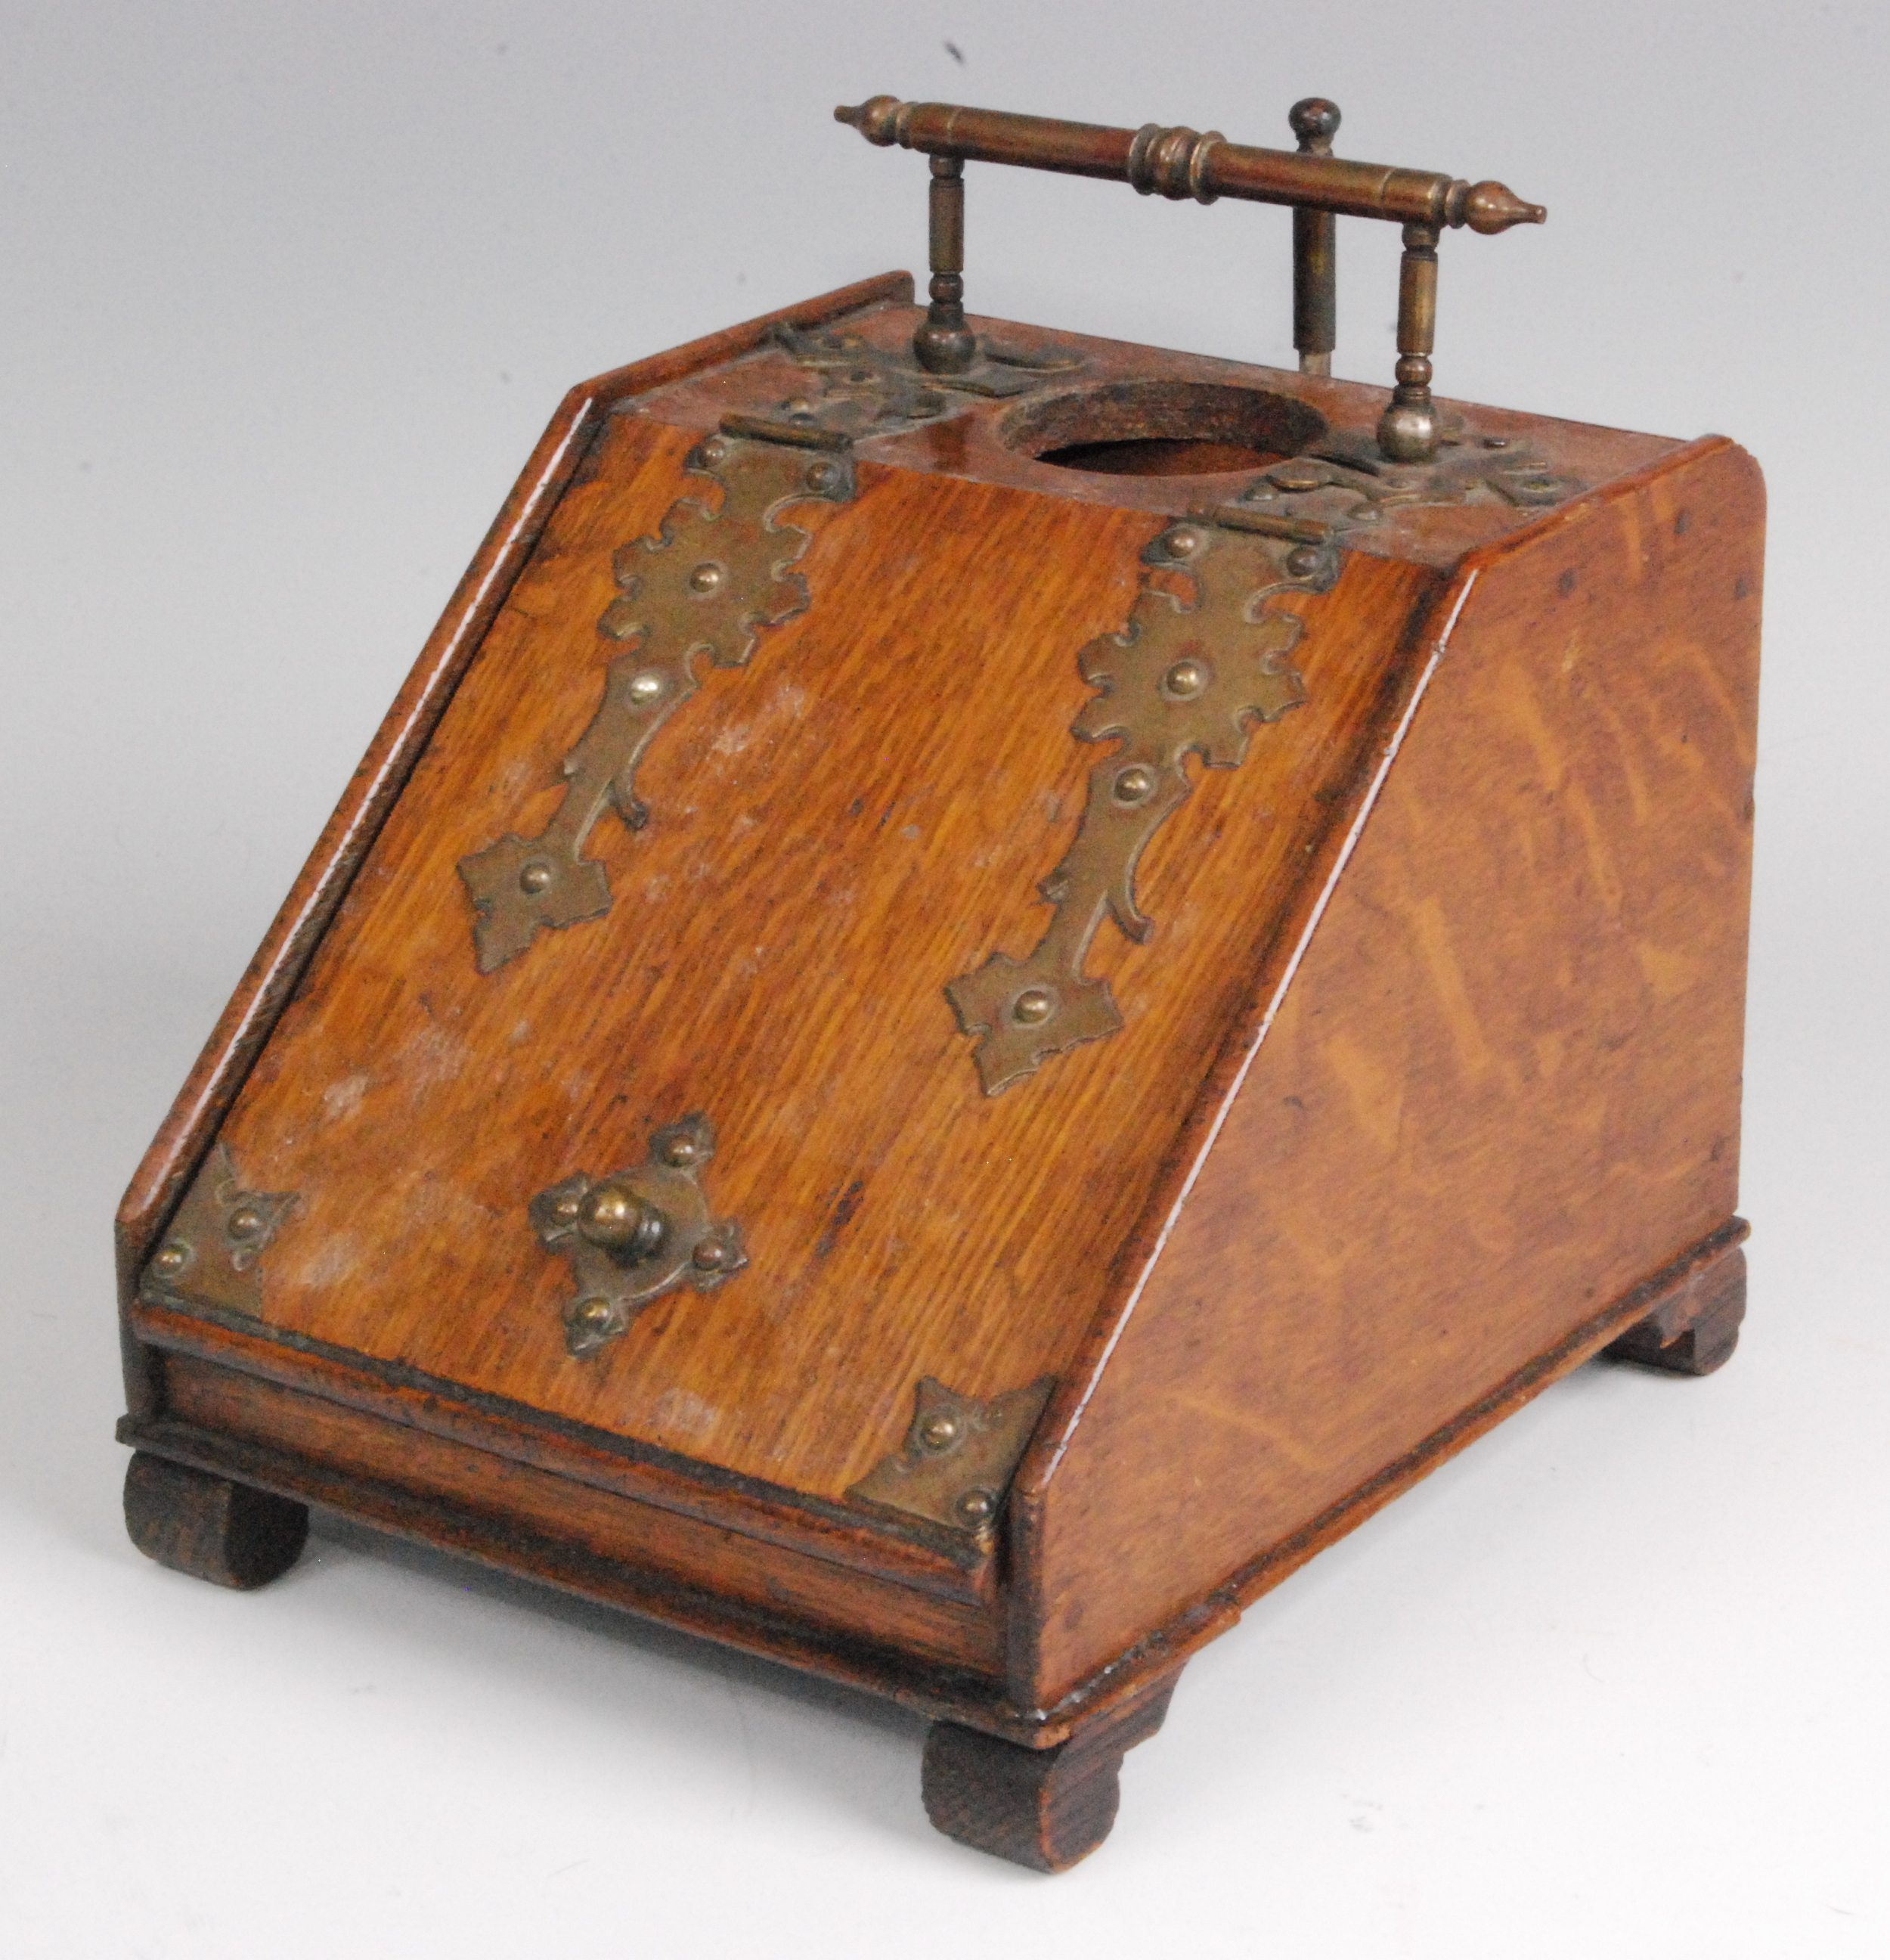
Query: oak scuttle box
(986, 984)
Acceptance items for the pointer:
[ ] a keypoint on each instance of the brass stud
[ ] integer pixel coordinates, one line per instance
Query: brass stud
(535, 877)
(715, 450)
(1185, 678)
(711, 1255)
(797, 405)
(173, 1258)
(1298, 477)
(1135, 784)
(822, 477)
(646, 687)
(245, 1222)
(594, 1314)
(975, 1507)
(1303, 560)
(940, 1430)
(567, 1206)
(708, 578)
(1183, 543)
(1034, 1005)
(682, 1152)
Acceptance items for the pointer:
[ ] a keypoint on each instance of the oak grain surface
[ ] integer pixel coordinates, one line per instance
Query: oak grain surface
(862, 813)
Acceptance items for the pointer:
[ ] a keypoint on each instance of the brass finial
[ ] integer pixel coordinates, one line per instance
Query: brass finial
(876, 118)
(1315, 122)
(1490, 207)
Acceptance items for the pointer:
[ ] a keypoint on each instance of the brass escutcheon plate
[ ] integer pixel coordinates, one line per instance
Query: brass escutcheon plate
(637, 1234)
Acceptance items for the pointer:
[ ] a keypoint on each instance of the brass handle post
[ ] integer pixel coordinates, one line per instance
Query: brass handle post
(1408, 429)
(1315, 122)
(944, 344)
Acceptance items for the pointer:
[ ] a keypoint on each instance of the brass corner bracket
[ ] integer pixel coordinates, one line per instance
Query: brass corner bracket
(958, 1457)
(1178, 680)
(208, 1257)
(637, 1234)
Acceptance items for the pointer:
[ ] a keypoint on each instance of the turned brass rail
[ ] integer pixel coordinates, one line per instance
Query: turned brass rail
(1186, 163)
(1183, 163)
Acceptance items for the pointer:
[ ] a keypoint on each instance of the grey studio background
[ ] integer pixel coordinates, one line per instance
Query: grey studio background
(289, 292)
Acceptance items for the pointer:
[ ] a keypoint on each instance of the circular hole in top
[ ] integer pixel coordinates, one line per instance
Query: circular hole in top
(1164, 428)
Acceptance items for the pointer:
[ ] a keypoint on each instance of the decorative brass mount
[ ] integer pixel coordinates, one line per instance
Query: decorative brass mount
(1343, 481)
(1182, 163)
(958, 1457)
(208, 1257)
(712, 582)
(1177, 681)
(866, 391)
(637, 1234)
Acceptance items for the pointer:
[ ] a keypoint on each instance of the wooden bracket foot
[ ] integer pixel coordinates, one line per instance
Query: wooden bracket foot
(229, 1533)
(1694, 1326)
(1042, 1808)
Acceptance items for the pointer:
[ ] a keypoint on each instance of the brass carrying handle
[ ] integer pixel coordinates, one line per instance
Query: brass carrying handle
(1182, 163)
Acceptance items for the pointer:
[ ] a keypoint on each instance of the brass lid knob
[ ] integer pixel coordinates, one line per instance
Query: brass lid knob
(614, 1217)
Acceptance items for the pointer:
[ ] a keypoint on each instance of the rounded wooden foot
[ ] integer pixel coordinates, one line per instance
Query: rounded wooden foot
(1707, 1344)
(1695, 1329)
(1042, 1808)
(211, 1528)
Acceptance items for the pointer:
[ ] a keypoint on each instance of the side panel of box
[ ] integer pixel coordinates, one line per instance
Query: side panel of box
(1502, 1090)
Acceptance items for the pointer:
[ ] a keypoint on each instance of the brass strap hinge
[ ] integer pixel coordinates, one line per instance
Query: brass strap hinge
(1178, 680)
(712, 582)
